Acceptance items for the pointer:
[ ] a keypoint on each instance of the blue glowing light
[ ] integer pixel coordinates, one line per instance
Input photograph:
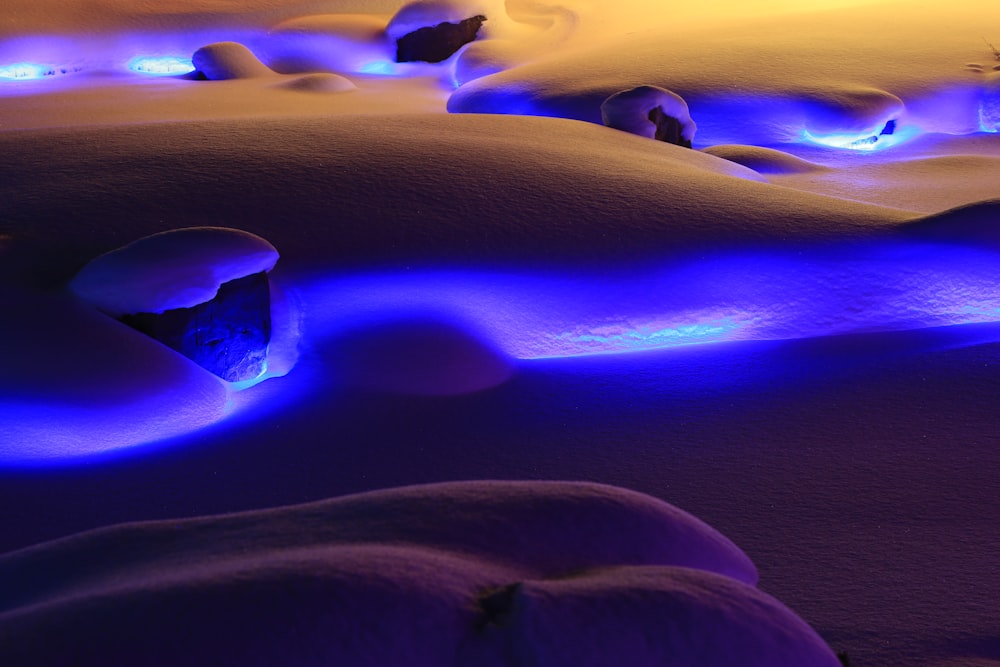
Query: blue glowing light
(610, 339)
(161, 65)
(989, 118)
(25, 71)
(378, 67)
(890, 135)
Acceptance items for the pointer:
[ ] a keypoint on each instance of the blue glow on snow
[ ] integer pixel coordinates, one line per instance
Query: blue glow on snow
(989, 118)
(161, 65)
(612, 340)
(378, 67)
(863, 142)
(25, 71)
(63, 415)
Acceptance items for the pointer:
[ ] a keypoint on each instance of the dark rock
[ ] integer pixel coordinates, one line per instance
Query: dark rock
(668, 128)
(228, 335)
(434, 44)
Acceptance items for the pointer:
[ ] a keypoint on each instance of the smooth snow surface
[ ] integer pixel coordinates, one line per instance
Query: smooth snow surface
(790, 330)
(475, 573)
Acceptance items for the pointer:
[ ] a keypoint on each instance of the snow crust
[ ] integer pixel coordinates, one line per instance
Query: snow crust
(174, 269)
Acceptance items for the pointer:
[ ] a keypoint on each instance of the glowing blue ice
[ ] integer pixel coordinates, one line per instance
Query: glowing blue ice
(378, 67)
(861, 142)
(161, 65)
(25, 71)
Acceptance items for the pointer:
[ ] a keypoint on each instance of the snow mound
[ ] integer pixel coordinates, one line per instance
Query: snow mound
(652, 616)
(320, 82)
(763, 160)
(175, 269)
(618, 195)
(651, 112)
(461, 573)
(228, 60)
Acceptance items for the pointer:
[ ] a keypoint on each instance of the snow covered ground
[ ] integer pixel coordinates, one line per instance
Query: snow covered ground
(789, 330)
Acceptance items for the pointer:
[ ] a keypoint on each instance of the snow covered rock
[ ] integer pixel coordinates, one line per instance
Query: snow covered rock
(202, 291)
(228, 60)
(650, 112)
(433, 30)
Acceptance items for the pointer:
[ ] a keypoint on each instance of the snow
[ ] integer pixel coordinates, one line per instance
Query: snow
(228, 60)
(364, 577)
(790, 331)
(175, 269)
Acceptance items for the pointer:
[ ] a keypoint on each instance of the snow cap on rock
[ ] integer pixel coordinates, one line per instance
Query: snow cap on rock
(633, 111)
(176, 269)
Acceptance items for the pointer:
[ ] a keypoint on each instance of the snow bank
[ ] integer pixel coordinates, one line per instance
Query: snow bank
(617, 195)
(470, 573)
(175, 269)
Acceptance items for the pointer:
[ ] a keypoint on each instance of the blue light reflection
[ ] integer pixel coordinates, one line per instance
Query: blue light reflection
(161, 65)
(25, 71)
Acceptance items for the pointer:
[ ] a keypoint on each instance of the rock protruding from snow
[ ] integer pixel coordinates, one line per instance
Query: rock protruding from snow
(433, 30)
(438, 43)
(202, 291)
(228, 335)
(651, 112)
(462, 573)
(228, 60)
